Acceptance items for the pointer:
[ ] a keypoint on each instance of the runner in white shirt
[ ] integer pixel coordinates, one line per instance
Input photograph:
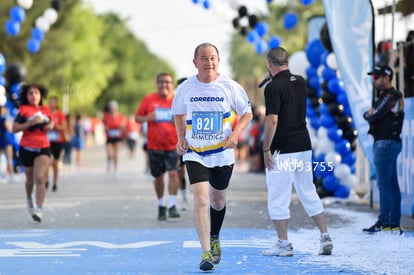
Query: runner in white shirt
(201, 109)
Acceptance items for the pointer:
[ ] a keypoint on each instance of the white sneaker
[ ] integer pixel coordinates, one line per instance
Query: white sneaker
(30, 207)
(326, 246)
(279, 250)
(37, 216)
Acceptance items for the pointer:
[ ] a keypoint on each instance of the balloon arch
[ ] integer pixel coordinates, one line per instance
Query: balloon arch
(329, 118)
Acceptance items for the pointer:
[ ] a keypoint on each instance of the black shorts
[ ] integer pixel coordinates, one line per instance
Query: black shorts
(219, 177)
(28, 155)
(162, 161)
(56, 148)
(113, 140)
(131, 143)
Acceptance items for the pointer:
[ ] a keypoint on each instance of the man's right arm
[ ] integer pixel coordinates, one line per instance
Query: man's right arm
(180, 126)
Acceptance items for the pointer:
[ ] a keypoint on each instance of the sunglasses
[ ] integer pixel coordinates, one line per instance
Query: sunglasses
(375, 77)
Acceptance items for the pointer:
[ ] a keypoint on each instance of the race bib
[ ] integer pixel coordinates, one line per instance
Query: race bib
(207, 122)
(53, 135)
(133, 135)
(163, 115)
(114, 133)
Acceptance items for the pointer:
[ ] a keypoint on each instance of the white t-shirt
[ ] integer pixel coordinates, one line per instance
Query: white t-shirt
(208, 107)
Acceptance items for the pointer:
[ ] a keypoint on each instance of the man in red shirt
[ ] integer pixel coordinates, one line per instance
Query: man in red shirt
(155, 109)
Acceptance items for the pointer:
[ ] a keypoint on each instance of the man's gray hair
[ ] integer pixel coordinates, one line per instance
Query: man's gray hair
(278, 56)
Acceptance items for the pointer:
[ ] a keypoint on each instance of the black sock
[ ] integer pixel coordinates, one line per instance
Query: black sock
(216, 218)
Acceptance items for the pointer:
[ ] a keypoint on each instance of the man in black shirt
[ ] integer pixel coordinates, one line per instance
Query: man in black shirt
(288, 154)
(386, 121)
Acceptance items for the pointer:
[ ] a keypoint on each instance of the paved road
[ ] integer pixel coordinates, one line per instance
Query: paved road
(99, 223)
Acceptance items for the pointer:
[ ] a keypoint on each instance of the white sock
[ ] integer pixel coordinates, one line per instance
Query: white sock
(171, 200)
(324, 234)
(161, 202)
(283, 242)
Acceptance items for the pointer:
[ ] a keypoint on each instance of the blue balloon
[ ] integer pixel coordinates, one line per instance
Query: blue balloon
(38, 34)
(17, 14)
(2, 81)
(310, 112)
(342, 192)
(196, 1)
(307, 2)
(12, 27)
(343, 147)
(274, 42)
(334, 85)
(261, 47)
(341, 98)
(261, 28)
(328, 74)
(33, 45)
(335, 134)
(323, 170)
(314, 49)
(290, 20)
(252, 37)
(330, 183)
(311, 71)
(206, 4)
(314, 82)
(327, 120)
(349, 159)
(323, 109)
(15, 88)
(2, 63)
(314, 122)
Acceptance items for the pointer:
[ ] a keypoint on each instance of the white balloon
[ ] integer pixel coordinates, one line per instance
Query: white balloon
(320, 70)
(351, 181)
(43, 24)
(322, 132)
(314, 141)
(298, 63)
(51, 15)
(25, 4)
(325, 145)
(3, 100)
(334, 158)
(2, 90)
(331, 61)
(342, 171)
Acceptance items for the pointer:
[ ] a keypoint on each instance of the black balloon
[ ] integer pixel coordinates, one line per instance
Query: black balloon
(15, 73)
(344, 122)
(314, 101)
(328, 97)
(243, 31)
(325, 38)
(56, 4)
(242, 11)
(350, 135)
(335, 109)
(236, 23)
(253, 21)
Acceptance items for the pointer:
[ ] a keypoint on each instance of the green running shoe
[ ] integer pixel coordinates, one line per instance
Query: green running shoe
(162, 213)
(207, 261)
(215, 249)
(173, 213)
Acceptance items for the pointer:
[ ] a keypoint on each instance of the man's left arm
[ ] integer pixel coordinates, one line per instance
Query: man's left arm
(386, 104)
(270, 126)
(232, 139)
